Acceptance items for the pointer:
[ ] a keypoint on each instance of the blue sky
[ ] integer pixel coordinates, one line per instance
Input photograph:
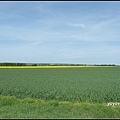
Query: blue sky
(60, 32)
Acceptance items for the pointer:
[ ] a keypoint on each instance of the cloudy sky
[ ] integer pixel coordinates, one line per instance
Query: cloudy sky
(60, 32)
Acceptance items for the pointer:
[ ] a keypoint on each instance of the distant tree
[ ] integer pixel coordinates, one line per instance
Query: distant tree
(34, 64)
(21, 64)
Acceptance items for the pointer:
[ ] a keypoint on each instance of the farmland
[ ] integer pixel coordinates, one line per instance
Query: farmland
(93, 85)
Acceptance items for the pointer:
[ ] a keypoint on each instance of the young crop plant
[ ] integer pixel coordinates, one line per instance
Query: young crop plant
(94, 85)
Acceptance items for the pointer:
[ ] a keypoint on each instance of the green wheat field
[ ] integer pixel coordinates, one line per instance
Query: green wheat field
(59, 93)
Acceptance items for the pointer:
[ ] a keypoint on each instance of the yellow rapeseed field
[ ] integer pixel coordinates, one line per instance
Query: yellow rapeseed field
(52, 66)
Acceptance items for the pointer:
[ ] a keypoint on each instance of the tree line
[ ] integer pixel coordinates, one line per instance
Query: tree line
(49, 64)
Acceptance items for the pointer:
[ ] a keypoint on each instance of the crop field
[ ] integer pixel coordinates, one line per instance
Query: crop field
(53, 66)
(70, 84)
(99, 85)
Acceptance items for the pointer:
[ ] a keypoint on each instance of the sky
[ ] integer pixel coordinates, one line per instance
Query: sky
(60, 32)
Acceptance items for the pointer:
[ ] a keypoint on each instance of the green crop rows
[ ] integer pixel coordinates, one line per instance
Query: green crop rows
(71, 84)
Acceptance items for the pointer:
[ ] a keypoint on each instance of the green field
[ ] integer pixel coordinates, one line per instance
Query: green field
(94, 86)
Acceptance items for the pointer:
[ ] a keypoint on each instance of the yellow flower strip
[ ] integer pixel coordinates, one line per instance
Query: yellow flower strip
(53, 66)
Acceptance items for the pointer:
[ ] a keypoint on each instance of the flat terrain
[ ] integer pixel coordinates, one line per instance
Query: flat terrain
(83, 86)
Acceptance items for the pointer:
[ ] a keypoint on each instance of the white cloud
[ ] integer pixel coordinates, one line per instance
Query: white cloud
(76, 25)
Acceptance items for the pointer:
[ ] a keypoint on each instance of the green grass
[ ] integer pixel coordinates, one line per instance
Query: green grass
(59, 93)
(35, 108)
